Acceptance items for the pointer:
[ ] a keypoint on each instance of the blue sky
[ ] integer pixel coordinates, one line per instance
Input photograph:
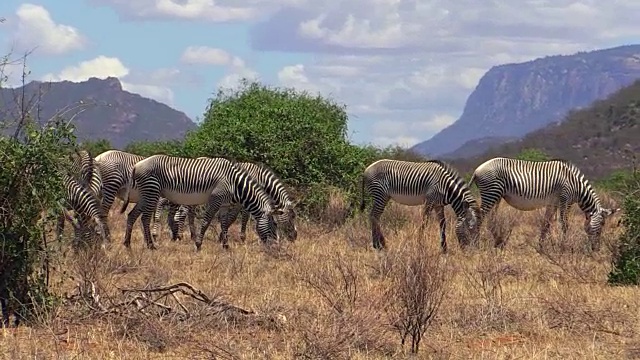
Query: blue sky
(403, 67)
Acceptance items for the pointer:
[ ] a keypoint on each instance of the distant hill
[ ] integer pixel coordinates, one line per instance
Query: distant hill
(119, 116)
(599, 139)
(514, 99)
(476, 147)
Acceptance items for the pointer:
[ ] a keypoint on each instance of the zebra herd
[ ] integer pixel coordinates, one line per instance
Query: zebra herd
(228, 189)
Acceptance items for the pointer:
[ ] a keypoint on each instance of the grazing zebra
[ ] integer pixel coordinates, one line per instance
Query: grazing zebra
(187, 181)
(530, 185)
(115, 167)
(83, 177)
(276, 190)
(86, 207)
(433, 184)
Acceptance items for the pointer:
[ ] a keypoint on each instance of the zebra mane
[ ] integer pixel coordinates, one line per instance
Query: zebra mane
(447, 167)
(264, 167)
(451, 171)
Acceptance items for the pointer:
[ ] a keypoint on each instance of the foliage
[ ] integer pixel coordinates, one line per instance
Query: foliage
(618, 180)
(532, 155)
(96, 147)
(301, 137)
(626, 258)
(30, 193)
(148, 148)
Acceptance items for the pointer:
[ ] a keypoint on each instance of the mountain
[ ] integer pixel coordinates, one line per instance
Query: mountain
(514, 99)
(477, 146)
(599, 139)
(109, 111)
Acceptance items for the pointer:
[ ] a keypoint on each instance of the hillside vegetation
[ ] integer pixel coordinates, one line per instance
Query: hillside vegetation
(600, 139)
(328, 295)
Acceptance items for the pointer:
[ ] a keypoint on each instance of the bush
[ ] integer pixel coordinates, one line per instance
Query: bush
(626, 258)
(301, 137)
(148, 148)
(31, 193)
(532, 155)
(96, 147)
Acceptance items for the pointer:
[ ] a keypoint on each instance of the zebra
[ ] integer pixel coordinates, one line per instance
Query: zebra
(86, 176)
(530, 185)
(272, 184)
(187, 181)
(86, 207)
(433, 184)
(115, 167)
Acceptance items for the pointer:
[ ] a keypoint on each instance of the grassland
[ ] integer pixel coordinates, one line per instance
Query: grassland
(330, 296)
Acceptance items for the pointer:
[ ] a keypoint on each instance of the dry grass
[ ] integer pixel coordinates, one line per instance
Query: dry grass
(330, 296)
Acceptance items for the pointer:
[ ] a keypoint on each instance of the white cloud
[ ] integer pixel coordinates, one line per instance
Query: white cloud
(36, 28)
(236, 67)
(100, 67)
(206, 55)
(404, 60)
(410, 60)
(103, 67)
(208, 10)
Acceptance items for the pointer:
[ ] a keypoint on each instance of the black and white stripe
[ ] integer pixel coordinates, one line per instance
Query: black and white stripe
(115, 167)
(272, 185)
(187, 181)
(529, 185)
(433, 184)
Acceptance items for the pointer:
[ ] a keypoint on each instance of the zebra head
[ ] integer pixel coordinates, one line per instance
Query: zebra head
(593, 225)
(286, 221)
(266, 226)
(467, 224)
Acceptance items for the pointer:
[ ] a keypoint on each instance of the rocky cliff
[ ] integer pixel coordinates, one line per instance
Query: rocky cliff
(102, 109)
(514, 99)
(600, 138)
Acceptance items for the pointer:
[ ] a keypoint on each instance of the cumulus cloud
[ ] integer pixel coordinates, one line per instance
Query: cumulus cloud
(103, 67)
(237, 68)
(34, 27)
(412, 61)
(208, 10)
(416, 62)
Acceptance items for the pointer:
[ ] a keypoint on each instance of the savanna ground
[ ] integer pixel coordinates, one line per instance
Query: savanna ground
(329, 295)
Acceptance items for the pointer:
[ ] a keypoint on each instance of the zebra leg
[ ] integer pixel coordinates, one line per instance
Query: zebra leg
(132, 216)
(212, 209)
(156, 218)
(426, 214)
(244, 219)
(227, 219)
(563, 219)
(443, 227)
(174, 226)
(379, 203)
(546, 224)
(148, 209)
(191, 217)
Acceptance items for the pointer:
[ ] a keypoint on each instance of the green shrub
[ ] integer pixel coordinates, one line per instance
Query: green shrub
(303, 138)
(626, 258)
(532, 155)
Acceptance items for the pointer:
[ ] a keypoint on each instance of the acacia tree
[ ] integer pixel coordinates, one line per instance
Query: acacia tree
(303, 138)
(30, 194)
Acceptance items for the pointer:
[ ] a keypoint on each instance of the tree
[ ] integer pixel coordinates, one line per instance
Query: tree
(303, 138)
(96, 147)
(532, 155)
(31, 192)
(148, 148)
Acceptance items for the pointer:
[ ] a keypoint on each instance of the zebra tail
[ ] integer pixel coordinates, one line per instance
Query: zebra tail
(126, 193)
(473, 177)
